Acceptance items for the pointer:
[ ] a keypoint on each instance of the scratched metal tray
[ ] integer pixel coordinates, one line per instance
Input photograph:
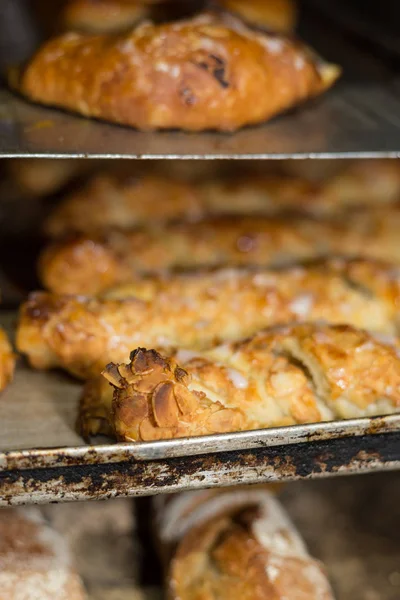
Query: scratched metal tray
(360, 117)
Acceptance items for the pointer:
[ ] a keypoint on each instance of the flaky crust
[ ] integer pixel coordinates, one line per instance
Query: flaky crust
(278, 15)
(7, 361)
(91, 264)
(201, 309)
(295, 374)
(118, 201)
(103, 16)
(251, 551)
(201, 73)
(35, 561)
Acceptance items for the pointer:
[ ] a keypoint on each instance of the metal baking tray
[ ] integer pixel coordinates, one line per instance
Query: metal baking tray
(43, 459)
(360, 117)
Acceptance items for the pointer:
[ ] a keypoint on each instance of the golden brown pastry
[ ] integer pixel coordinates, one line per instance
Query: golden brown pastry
(278, 15)
(91, 264)
(35, 562)
(7, 361)
(195, 74)
(239, 545)
(40, 177)
(303, 373)
(95, 409)
(103, 16)
(121, 201)
(198, 310)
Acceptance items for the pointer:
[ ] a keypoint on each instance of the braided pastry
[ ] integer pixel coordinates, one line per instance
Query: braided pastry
(91, 264)
(194, 74)
(198, 310)
(295, 374)
(240, 545)
(111, 201)
(7, 361)
(278, 15)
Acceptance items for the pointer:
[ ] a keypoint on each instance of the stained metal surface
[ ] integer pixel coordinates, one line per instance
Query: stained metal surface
(133, 477)
(360, 117)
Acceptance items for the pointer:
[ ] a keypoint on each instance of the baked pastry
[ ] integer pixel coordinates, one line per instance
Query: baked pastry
(7, 361)
(303, 373)
(95, 409)
(103, 16)
(200, 309)
(115, 201)
(91, 264)
(194, 74)
(40, 177)
(109, 200)
(278, 15)
(239, 545)
(34, 560)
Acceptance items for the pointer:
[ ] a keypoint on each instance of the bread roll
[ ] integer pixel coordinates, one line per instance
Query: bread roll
(236, 545)
(34, 560)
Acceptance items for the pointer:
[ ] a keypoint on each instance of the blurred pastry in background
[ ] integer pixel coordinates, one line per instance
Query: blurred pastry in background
(35, 561)
(42, 176)
(118, 200)
(238, 544)
(103, 16)
(7, 361)
(204, 73)
(277, 15)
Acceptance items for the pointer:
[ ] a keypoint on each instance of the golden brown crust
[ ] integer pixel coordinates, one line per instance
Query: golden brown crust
(202, 73)
(90, 264)
(198, 310)
(103, 16)
(251, 552)
(95, 409)
(39, 177)
(35, 561)
(296, 374)
(125, 201)
(278, 15)
(7, 361)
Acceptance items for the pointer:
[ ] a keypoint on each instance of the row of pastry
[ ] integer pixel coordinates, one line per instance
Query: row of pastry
(218, 323)
(228, 545)
(217, 68)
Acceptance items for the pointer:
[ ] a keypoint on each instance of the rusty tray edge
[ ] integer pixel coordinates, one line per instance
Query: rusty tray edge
(74, 456)
(319, 459)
